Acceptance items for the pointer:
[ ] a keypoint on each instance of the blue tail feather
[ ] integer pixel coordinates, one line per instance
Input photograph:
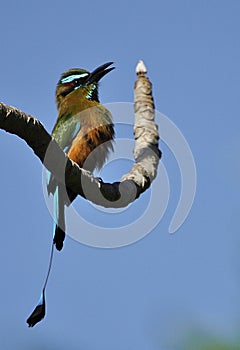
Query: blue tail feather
(59, 220)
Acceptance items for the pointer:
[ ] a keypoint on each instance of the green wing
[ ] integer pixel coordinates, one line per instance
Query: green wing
(65, 130)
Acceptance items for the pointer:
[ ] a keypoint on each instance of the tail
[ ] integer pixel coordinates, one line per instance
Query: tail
(59, 219)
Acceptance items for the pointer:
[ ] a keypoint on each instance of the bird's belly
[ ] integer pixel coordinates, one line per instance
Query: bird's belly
(79, 152)
(91, 149)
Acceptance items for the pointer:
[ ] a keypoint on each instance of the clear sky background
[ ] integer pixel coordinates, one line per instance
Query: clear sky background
(152, 294)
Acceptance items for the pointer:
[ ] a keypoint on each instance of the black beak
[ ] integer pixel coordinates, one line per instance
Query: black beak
(99, 72)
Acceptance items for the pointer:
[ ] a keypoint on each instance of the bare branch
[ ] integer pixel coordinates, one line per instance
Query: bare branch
(117, 194)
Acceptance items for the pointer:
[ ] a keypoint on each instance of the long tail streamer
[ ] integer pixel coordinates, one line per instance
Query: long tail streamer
(40, 310)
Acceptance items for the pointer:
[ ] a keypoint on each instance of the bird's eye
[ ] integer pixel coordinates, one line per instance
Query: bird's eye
(76, 82)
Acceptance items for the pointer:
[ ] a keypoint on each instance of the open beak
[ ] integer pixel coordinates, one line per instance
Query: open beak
(99, 72)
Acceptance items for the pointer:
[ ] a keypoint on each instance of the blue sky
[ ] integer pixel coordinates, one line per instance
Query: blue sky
(151, 294)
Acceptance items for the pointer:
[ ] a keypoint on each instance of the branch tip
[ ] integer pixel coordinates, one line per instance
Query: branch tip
(141, 68)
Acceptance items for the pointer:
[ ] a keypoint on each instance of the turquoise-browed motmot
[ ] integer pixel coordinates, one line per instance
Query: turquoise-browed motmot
(83, 125)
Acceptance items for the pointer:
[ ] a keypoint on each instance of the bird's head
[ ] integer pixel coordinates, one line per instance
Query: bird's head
(77, 78)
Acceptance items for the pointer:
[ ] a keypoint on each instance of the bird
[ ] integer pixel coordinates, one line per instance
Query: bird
(83, 125)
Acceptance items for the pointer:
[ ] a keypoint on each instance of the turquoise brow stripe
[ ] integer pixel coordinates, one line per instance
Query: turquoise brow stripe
(73, 77)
